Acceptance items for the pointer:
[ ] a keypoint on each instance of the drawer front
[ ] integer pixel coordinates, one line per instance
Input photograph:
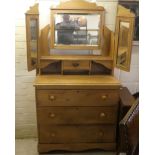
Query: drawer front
(77, 115)
(76, 65)
(77, 97)
(76, 134)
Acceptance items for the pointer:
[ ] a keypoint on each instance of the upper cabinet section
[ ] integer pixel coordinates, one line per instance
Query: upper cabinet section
(72, 27)
(77, 31)
(123, 39)
(32, 32)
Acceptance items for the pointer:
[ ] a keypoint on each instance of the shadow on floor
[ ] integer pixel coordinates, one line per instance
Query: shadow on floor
(29, 147)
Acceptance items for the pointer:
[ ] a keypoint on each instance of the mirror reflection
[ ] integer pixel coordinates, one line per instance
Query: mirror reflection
(122, 52)
(33, 40)
(76, 29)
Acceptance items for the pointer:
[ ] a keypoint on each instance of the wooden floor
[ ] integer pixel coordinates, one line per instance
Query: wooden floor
(29, 147)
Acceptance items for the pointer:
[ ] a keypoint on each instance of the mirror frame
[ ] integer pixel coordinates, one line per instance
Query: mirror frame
(32, 13)
(77, 7)
(124, 15)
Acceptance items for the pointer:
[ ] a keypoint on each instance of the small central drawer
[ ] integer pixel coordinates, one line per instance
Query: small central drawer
(77, 115)
(77, 134)
(76, 65)
(77, 97)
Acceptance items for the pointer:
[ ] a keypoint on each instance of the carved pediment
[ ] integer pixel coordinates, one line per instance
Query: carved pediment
(122, 11)
(78, 5)
(33, 9)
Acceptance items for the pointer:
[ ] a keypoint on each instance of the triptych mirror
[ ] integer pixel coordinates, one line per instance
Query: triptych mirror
(81, 32)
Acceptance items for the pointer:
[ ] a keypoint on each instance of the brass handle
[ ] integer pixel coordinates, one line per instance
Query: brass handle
(104, 97)
(52, 97)
(75, 64)
(102, 114)
(52, 115)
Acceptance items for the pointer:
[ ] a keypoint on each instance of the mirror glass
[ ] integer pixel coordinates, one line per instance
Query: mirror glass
(33, 40)
(77, 29)
(122, 51)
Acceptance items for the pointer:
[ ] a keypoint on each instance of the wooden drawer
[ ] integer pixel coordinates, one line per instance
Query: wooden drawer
(77, 115)
(76, 134)
(77, 97)
(76, 65)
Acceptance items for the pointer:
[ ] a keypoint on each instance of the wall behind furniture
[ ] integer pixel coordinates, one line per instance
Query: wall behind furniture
(25, 95)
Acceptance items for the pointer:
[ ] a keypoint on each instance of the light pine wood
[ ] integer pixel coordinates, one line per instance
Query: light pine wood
(78, 5)
(86, 116)
(106, 41)
(77, 47)
(76, 65)
(108, 64)
(124, 15)
(77, 115)
(112, 45)
(44, 40)
(83, 82)
(63, 98)
(32, 13)
(45, 63)
(124, 12)
(33, 10)
(112, 50)
(76, 57)
(77, 133)
(108, 46)
(77, 112)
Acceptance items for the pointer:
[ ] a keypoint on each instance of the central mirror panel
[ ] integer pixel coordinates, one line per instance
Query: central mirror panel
(76, 29)
(76, 32)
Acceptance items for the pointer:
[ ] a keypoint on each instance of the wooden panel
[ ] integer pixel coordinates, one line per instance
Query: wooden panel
(78, 5)
(108, 64)
(42, 148)
(76, 65)
(124, 12)
(33, 9)
(32, 14)
(51, 68)
(77, 97)
(123, 60)
(76, 134)
(112, 44)
(77, 57)
(77, 115)
(44, 40)
(76, 82)
(107, 40)
(32, 56)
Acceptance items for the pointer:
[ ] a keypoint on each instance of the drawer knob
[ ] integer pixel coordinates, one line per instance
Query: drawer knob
(52, 115)
(52, 134)
(75, 64)
(52, 97)
(104, 97)
(102, 114)
(101, 134)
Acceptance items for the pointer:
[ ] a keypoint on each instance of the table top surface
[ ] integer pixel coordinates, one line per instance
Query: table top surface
(76, 80)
